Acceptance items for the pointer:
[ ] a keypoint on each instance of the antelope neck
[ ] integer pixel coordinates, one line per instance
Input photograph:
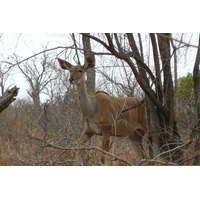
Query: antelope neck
(87, 104)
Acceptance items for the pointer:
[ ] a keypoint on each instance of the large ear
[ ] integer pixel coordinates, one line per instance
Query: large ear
(89, 62)
(64, 64)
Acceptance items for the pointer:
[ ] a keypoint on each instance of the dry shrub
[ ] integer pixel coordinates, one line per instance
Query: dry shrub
(19, 125)
(25, 134)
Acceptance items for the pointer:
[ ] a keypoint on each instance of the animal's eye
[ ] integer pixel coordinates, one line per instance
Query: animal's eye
(80, 71)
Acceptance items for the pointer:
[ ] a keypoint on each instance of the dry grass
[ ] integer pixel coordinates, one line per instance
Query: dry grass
(19, 126)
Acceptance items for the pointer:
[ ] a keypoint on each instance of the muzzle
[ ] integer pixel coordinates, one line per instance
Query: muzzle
(71, 80)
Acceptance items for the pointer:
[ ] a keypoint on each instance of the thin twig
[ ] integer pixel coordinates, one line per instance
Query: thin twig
(133, 106)
(189, 158)
(180, 146)
(180, 41)
(155, 161)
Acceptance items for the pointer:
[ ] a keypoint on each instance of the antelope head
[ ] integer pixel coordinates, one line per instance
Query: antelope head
(77, 72)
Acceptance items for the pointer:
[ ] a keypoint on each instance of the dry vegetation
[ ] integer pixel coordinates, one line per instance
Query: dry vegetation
(48, 137)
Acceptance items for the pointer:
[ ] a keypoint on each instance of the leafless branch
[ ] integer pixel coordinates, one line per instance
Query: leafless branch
(133, 106)
(180, 41)
(59, 47)
(171, 150)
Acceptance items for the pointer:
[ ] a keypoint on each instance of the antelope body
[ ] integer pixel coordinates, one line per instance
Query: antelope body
(100, 114)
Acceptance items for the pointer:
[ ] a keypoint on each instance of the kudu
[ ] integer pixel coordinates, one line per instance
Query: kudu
(101, 113)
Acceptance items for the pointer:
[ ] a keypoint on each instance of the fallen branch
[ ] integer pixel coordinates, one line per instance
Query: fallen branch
(8, 97)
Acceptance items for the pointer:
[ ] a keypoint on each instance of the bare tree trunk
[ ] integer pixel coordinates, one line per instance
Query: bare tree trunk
(173, 136)
(175, 81)
(76, 48)
(196, 78)
(8, 97)
(91, 72)
(164, 46)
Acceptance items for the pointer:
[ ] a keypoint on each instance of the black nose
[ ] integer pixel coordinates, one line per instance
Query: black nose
(71, 80)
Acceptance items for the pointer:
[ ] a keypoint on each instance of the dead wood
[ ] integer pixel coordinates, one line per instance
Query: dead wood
(8, 97)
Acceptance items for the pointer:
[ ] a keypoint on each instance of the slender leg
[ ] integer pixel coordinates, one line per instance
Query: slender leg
(136, 140)
(85, 137)
(105, 145)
